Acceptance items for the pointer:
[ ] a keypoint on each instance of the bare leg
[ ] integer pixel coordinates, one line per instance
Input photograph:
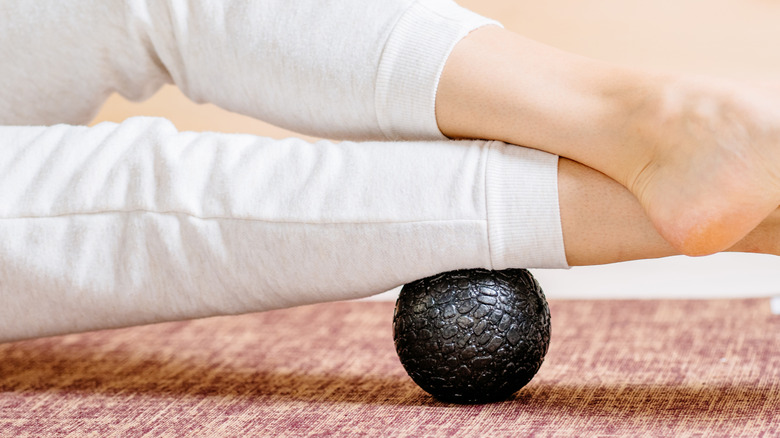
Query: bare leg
(604, 223)
(701, 156)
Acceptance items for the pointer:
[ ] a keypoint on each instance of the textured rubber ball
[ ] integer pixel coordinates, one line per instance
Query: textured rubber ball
(472, 336)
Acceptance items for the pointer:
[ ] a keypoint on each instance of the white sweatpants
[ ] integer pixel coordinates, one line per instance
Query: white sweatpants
(133, 223)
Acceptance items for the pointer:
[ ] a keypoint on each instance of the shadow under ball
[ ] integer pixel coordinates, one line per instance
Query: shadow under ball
(472, 336)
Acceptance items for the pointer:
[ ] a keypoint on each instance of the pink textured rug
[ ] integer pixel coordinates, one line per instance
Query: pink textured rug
(615, 368)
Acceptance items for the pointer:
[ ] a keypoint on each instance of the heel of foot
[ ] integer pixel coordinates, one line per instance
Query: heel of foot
(708, 237)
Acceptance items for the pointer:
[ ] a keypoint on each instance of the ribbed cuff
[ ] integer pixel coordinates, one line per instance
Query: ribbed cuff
(524, 221)
(411, 64)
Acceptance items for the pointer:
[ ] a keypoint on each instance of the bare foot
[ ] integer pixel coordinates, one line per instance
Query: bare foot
(702, 156)
(714, 171)
(603, 222)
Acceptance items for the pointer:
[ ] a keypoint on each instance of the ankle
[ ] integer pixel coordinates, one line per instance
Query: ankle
(641, 107)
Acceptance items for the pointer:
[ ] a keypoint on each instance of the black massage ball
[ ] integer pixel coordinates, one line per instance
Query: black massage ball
(472, 336)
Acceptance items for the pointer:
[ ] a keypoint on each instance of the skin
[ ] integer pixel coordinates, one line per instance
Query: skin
(701, 156)
(604, 223)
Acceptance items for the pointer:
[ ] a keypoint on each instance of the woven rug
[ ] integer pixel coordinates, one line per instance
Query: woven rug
(615, 368)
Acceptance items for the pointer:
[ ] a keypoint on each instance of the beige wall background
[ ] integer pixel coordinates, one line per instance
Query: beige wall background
(734, 38)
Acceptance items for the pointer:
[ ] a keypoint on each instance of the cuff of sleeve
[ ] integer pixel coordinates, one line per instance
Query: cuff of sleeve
(523, 214)
(411, 64)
